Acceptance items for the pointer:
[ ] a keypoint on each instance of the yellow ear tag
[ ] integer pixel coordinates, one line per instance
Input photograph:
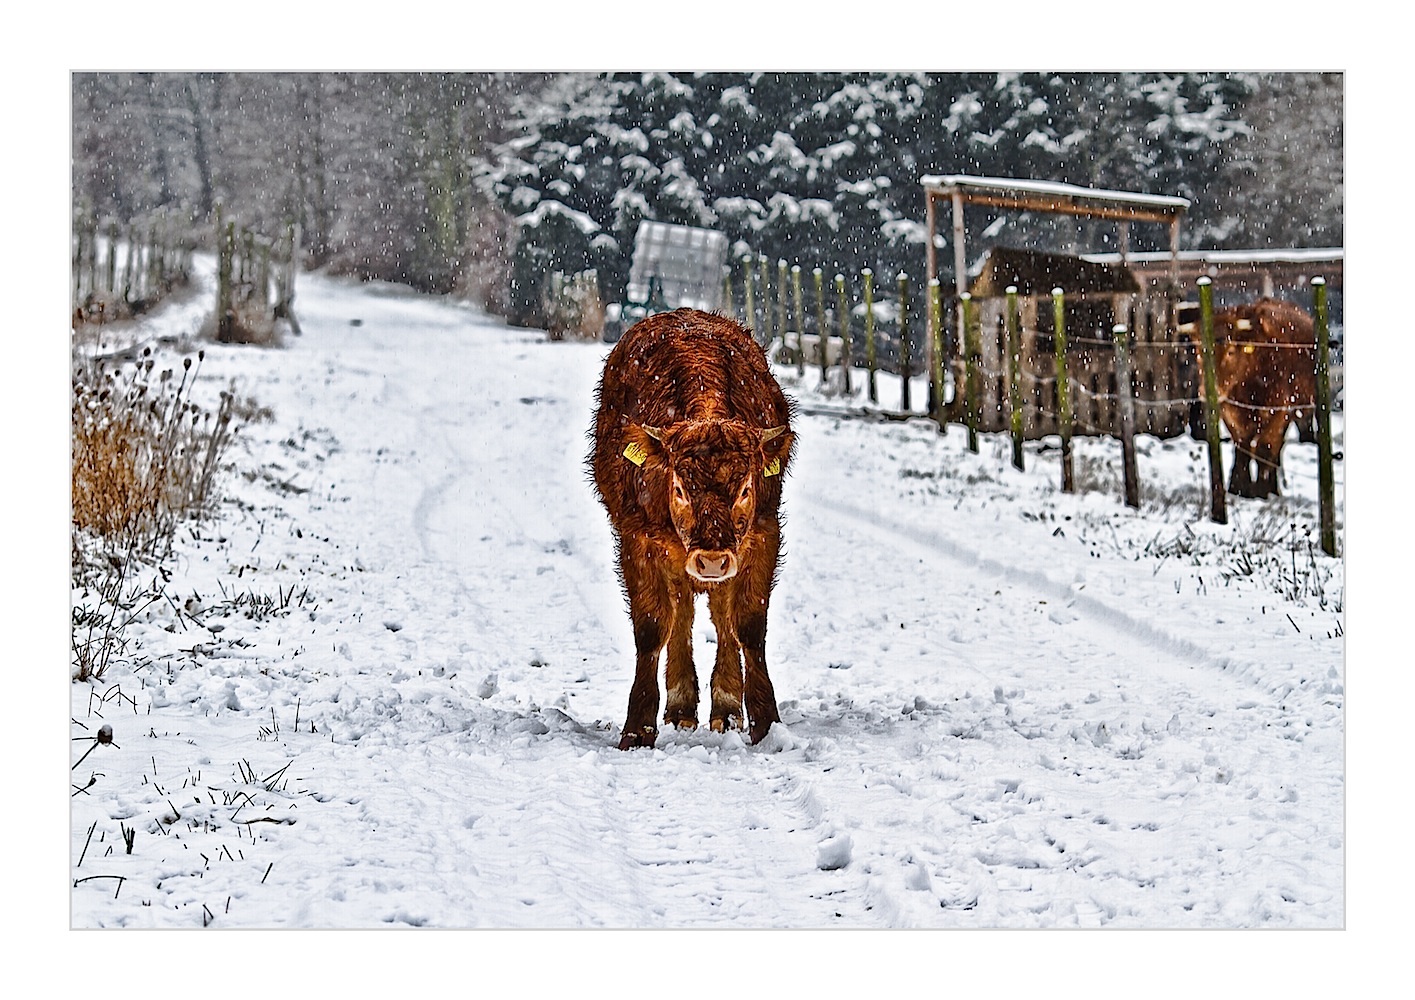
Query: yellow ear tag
(635, 453)
(773, 468)
(1247, 348)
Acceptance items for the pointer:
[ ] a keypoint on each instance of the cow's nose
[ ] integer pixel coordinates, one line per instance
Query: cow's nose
(712, 566)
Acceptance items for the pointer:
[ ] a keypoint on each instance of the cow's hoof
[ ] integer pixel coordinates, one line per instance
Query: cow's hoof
(638, 738)
(720, 725)
(689, 722)
(759, 730)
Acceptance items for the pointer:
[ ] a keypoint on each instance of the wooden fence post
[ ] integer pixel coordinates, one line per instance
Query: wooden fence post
(1126, 406)
(93, 258)
(822, 331)
(749, 306)
(130, 264)
(762, 279)
(781, 299)
(800, 319)
(969, 314)
(225, 241)
(728, 306)
(1014, 375)
(111, 265)
(1218, 502)
(1063, 390)
(843, 307)
(904, 400)
(1326, 482)
(870, 361)
(936, 355)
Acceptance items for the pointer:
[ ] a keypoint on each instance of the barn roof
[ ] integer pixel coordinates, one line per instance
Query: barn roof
(1065, 199)
(1037, 273)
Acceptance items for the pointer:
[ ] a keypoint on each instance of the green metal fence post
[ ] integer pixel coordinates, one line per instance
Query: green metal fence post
(843, 308)
(1218, 503)
(970, 368)
(1014, 374)
(1326, 482)
(904, 359)
(1063, 390)
(800, 319)
(870, 360)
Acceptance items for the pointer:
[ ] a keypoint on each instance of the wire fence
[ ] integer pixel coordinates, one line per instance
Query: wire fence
(1090, 386)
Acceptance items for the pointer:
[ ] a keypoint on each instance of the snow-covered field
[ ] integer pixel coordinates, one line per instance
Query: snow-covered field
(387, 690)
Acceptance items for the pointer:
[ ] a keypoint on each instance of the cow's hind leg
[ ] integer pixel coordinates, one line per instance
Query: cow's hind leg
(727, 710)
(1269, 457)
(1240, 480)
(680, 679)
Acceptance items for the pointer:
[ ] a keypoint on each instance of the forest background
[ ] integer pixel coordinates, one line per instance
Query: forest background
(483, 184)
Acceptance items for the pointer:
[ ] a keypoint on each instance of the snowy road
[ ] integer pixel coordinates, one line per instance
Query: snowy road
(996, 711)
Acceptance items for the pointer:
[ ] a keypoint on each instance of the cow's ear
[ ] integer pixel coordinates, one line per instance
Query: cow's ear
(642, 444)
(776, 449)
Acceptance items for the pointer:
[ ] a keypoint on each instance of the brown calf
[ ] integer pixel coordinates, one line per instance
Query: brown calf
(1265, 360)
(691, 440)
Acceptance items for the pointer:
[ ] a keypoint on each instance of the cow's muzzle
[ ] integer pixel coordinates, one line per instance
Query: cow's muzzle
(712, 565)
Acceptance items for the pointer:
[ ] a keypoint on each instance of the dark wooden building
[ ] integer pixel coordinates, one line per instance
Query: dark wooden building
(1096, 296)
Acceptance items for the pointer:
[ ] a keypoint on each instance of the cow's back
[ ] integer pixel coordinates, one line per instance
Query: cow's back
(674, 366)
(688, 364)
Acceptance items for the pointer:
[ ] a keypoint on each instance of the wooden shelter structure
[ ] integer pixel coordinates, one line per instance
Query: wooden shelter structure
(1098, 294)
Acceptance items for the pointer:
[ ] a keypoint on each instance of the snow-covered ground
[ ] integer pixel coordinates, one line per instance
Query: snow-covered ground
(387, 690)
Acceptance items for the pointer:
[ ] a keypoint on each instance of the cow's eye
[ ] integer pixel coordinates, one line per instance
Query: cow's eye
(679, 493)
(745, 493)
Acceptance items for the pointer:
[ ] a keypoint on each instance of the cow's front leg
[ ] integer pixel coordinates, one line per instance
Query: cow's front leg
(760, 695)
(727, 710)
(650, 611)
(681, 680)
(751, 597)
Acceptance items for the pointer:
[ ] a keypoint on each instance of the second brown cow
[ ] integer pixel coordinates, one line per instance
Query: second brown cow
(692, 439)
(1265, 362)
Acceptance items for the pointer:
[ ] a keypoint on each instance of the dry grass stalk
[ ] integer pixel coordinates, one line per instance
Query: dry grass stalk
(143, 459)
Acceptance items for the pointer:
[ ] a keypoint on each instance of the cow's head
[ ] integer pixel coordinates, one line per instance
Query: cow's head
(714, 473)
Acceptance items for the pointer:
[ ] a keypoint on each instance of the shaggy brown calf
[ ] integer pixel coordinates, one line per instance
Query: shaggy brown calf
(691, 440)
(1265, 360)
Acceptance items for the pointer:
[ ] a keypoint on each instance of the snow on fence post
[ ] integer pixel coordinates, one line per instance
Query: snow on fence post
(1326, 484)
(870, 360)
(935, 355)
(800, 319)
(1218, 509)
(1014, 375)
(1126, 407)
(822, 331)
(749, 306)
(1063, 390)
(843, 307)
(904, 400)
(970, 368)
(781, 299)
